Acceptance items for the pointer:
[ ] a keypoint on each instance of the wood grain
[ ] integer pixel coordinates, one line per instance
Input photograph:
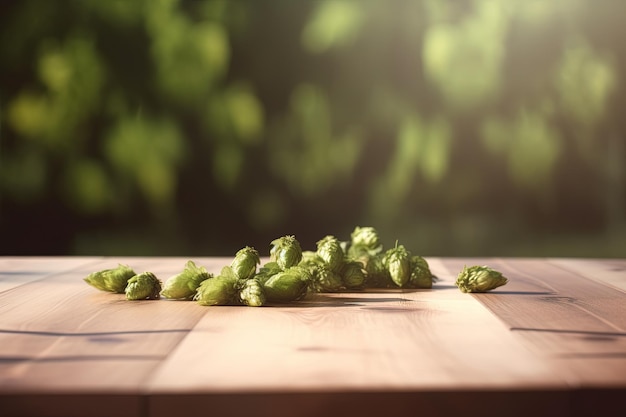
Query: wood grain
(608, 271)
(577, 323)
(66, 347)
(373, 343)
(98, 340)
(16, 270)
(551, 342)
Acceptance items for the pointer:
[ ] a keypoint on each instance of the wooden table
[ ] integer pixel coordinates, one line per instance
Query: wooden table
(552, 342)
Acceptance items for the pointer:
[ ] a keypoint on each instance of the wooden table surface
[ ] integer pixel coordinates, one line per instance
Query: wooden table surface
(552, 342)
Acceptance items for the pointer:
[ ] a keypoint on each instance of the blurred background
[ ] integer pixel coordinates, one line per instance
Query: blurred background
(190, 127)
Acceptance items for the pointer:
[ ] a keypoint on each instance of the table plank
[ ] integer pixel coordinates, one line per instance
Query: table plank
(370, 342)
(550, 343)
(18, 270)
(61, 337)
(608, 271)
(578, 324)
(61, 323)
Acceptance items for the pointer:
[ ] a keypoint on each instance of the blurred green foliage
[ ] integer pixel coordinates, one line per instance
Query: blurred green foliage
(196, 127)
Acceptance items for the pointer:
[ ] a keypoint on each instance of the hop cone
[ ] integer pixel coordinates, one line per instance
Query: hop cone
(310, 257)
(144, 286)
(364, 240)
(112, 280)
(267, 271)
(217, 291)
(329, 249)
(183, 286)
(353, 275)
(252, 293)
(479, 279)
(376, 274)
(421, 277)
(288, 285)
(286, 252)
(323, 279)
(398, 262)
(245, 262)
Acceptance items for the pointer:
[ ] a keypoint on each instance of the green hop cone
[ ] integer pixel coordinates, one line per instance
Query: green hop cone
(364, 240)
(310, 261)
(376, 273)
(329, 249)
(398, 262)
(218, 291)
(288, 285)
(323, 279)
(112, 280)
(479, 279)
(421, 277)
(309, 256)
(144, 286)
(286, 252)
(353, 275)
(267, 271)
(251, 293)
(245, 262)
(183, 286)
(365, 236)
